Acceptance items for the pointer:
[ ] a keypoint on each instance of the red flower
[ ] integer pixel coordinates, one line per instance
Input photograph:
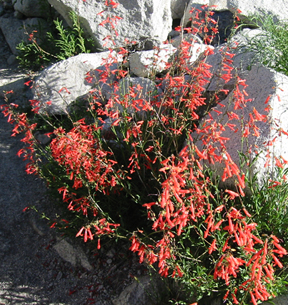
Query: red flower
(212, 247)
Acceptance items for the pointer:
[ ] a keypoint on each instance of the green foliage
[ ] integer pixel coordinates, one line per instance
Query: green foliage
(270, 47)
(59, 44)
(32, 56)
(268, 205)
(70, 42)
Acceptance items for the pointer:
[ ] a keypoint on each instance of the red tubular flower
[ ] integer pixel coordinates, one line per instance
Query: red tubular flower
(111, 3)
(225, 247)
(80, 232)
(268, 273)
(235, 301)
(212, 247)
(232, 194)
(246, 213)
(253, 298)
(281, 250)
(276, 261)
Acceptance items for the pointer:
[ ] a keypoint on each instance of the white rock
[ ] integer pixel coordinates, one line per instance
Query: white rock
(242, 38)
(176, 41)
(141, 19)
(63, 82)
(262, 82)
(75, 256)
(242, 59)
(145, 63)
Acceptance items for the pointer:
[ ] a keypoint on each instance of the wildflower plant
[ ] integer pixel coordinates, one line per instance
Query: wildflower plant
(59, 44)
(269, 46)
(132, 169)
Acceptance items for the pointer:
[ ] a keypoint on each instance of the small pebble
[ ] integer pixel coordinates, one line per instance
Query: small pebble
(59, 276)
(109, 261)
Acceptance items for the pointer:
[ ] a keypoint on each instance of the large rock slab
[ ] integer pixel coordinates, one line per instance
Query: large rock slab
(141, 19)
(233, 54)
(246, 132)
(12, 82)
(63, 82)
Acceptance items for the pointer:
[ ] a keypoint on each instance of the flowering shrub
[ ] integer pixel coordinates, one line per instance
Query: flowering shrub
(133, 169)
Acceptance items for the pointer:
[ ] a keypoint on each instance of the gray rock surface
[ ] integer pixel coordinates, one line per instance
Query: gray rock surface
(142, 291)
(262, 83)
(63, 82)
(71, 254)
(11, 78)
(143, 96)
(178, 8)
(16, 30)
(32, 8)
(141, 19)
(145, 63)
(281, 300)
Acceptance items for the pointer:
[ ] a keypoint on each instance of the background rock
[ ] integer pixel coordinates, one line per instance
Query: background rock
(277, 8)
(145, 91)
(262, 83)
(16, 30)
(194, 49)
(32, 8)
(145, 63)
(141, 19)
(178, 8)
(70, 74)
